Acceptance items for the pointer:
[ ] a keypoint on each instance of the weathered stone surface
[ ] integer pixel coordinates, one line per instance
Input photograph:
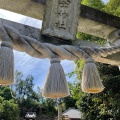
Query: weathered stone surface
(114, 36)
(89, 16)
(28, 31)
(111, 59)
(94, 28)
(99, 16)
(61, 18)
(34, 33)
(30, 8)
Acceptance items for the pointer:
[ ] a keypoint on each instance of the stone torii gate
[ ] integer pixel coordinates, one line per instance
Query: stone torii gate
(91, 21)
(62, 19)
(57, 40)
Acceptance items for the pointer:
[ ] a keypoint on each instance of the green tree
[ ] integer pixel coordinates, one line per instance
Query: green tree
(113, 7)
(30, 100)
(69, 102)
(26, 97)
(24, 87)
(5, 92)
(97, 4)
(8, 109)
(49, 107)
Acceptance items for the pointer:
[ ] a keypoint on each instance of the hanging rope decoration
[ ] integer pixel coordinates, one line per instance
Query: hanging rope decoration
(55, 85)
(91, 82)
(6, 64)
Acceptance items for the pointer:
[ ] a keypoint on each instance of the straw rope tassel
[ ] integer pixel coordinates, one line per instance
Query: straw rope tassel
(6, 64)
(91, 82)
(56, 85)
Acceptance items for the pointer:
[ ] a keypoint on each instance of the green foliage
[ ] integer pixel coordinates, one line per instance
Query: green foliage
(8, 109)
(69, 102)
(113, 7)
(83, 36)
(29, 105)
(97, 4)
(49, 107)
(5, 92)
(24, 87)
(26, 97)
(78, 69)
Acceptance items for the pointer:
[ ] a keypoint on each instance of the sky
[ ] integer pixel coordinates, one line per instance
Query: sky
(34, 66)
(105, 1)
(29, 65)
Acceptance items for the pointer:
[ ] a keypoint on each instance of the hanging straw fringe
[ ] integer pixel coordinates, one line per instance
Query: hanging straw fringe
(91, 82)
(6, 64)
(56, 85)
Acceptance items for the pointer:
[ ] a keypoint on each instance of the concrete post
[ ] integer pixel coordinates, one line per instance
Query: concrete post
(59, 111)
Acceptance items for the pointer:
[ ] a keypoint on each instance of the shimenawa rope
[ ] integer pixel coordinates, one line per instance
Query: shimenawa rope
(90, 82)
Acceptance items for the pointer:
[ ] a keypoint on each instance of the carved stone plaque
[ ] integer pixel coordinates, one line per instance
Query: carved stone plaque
(61, 18)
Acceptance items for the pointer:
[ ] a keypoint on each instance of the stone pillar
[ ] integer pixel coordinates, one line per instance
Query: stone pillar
(59, 111)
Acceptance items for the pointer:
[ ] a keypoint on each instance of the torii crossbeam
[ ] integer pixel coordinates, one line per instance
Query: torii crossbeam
(100, 24)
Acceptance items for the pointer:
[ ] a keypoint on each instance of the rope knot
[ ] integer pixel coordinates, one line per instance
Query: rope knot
(55, 60)
(6, 44)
